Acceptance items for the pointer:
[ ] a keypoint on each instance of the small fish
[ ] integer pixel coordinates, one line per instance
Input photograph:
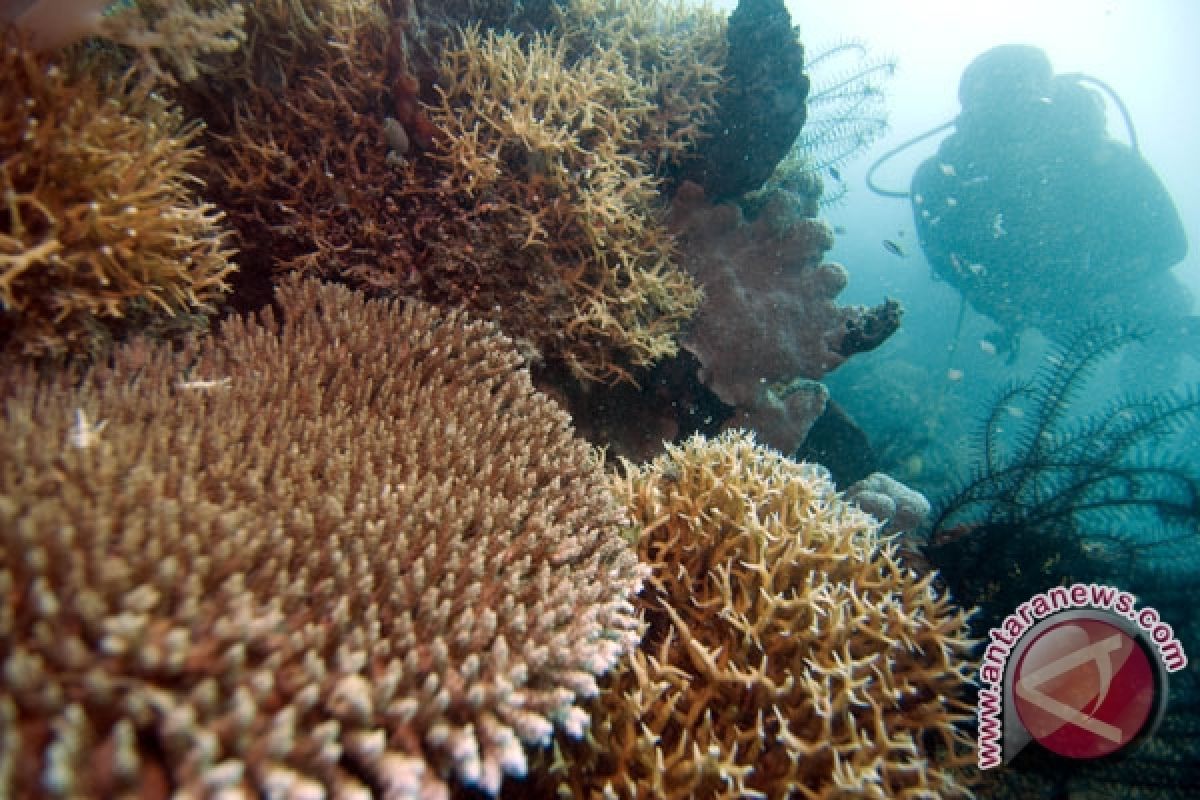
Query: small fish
(998, 225)
(955, 375)
(839, 230)
(894, 248)
(948, 170)
(919, 199)
(833, 171)
(987, 347)
(952, 201)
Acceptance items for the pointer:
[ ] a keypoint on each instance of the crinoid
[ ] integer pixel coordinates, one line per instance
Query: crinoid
(1062, 495)
(846, 112)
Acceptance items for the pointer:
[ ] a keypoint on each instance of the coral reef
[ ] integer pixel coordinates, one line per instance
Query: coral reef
(788, 653)
(675, 50)
(519, 189)
(544, 215)
(99, 214)
(760, 108)
(303, 165)
(340, 551)
(770, 325)
(183, 33)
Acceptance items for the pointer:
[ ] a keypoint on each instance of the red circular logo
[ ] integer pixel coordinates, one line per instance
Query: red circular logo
(1084, 688)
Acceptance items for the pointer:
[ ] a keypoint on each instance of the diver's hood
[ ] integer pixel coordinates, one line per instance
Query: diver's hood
(1007, 77)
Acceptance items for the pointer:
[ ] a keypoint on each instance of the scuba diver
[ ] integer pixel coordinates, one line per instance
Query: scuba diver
(1035, 215)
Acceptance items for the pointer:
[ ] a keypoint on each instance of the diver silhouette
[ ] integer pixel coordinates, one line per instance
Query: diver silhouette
(1038, 217)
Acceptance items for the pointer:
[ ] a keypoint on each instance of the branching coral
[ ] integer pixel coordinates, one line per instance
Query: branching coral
(99, 216)
(346, 551)
(180, 32)
(302, 165)
(522, 192)
(789, 653)
(675, 49)
(545, 201)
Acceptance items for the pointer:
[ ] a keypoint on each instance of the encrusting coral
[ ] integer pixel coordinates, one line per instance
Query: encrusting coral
(99, 216)
(340, 551)
(788, 652)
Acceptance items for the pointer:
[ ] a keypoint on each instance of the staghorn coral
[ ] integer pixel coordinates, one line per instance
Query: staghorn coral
(345, 551)
(99, 218)
(770, 326)
(302, 164)
(520, 191)
(184, 33)
(543, 216)
(676, 49)
(188, 35)
(788, 653)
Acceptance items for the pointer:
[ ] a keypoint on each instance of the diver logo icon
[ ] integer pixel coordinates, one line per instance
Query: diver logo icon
(1084, 688)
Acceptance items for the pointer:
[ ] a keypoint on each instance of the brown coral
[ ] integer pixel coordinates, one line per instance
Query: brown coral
(676, 49)
(98, 212)
(350, 551)
(544, 215)
(301, 164)
(789, 653)
(771, 314)
(183, 33)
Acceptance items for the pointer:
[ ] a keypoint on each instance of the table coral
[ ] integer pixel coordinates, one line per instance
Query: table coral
(343, 550)
(99, 214)
(789, 653)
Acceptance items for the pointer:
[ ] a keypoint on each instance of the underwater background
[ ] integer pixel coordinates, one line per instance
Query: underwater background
(477, 398)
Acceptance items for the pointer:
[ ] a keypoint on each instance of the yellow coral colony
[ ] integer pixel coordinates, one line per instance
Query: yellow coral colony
(98, 212)
(547, 148)
(341, 552)
(788, 652)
